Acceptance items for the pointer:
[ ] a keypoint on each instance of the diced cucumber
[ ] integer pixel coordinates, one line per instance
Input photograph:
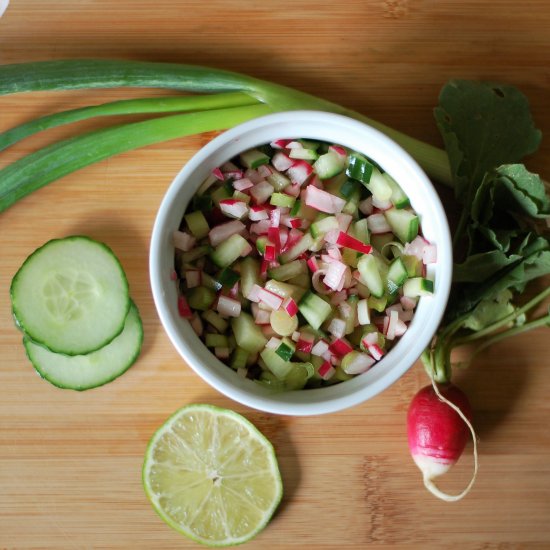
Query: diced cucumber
(282, 323)
(303, 154)
(314, 309)
(276, 364)
(282, 199)
(195, 253)
(285, 290)
(218, 322)
(404, 224)
(377, 303)
(254, 158)
(216, 340)
(379, 186)
(228, 251)
(71, 295)
(227, 277)
(241, 196)
(225, 191)
(82, 372)
(298, 376)
(352, 317)
(359, 168)
(197, 224)
(323, 225)
(418, 286)
(368, 267)
(200, 298)
(247, 334)
(302, 210)
(286, 349)
(329, 164)
(398, 197)
(302, 280)
(285, 272)
(250, 275)
(299, 248)
(239, 359)
(412, 264)
(360, 230)
(397, 275)
(278, 181)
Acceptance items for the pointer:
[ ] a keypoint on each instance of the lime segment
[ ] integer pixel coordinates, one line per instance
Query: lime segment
(211, 475)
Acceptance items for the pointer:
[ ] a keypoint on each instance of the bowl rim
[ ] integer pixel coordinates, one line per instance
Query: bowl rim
(333, 398)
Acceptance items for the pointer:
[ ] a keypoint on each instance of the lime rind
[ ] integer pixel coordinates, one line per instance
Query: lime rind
(213, 496)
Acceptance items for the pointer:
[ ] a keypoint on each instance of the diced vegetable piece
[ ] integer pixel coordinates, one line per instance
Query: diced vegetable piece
(379, 186)
(403, 223)
(228, 251)
(286, 349)
(368, 267)
(254, 158)
(219, 323)
(239, 359)
(282, 200)
(356, 363)
(276, 364)
(216, 340)
(247, 334)
(359, 168)
(398, 197)
(288, 271)
(314, 309)
(397, 275)
(418, 286)
(201, 298)
(329, 164)
(323, 201)
(228, 307)
(283, 323)
(197, 224)
(321, 226)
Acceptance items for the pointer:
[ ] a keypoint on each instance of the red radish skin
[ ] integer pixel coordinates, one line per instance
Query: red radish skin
(438, 434)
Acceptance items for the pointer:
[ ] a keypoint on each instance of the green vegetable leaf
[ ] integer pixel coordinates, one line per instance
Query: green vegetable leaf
(490, 311)
(479, 267)
(484, 125)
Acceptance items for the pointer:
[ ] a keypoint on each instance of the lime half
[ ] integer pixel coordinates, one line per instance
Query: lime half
(211, 475)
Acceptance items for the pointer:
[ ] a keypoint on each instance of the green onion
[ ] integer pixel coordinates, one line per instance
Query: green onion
(126, 107)
(53, 162)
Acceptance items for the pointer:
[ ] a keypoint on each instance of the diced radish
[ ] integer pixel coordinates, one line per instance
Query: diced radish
(242, 184)
(275, 217)
(281, 161)
(305, 342)
(280, 143)
(347, 241)
(264, 171)
(260, 228)
(221, 233)
(218, 174)
(294, 145)
(183, 241)
(376, 351)
(258, 213)
(261, 192)
(253, 175)
(400, 328)
(270, 252)
(293, 189)
(319, 348)
(363, 314)
(331, 236)
(268, 331)
(222, 353)
(274, 237)
(365, 206)
(234, 208)
(323, 201)
(344, 221)
(416, 247)
(196, 324)
(269, 298)
(334, 277)
(299, 172)
(338, 298)
(261, 316)
(290, 306)
(192, 278)
(361, 362)
(228, 307)
(340, 151)
(408, 303)
(326, 371)
(234, 174)
(390, 323)
(283, 237)
(438, 428)
(313, 264)
(295, 336)
(337, 327)
(254, 294)
(377, 224)
(334, 253)
(317, 284)
(173, 275)
(340, 347)
(183, 307)
(429, 254)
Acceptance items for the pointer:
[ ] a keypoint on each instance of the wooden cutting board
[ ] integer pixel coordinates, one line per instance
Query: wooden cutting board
(70, 463)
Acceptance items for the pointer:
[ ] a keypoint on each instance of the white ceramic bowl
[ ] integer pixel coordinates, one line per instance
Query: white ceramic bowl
(321, 126)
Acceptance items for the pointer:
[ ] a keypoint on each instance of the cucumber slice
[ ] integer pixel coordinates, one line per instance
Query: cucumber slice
(254, 158)
(329, 164)
(398, 197)
(71, 295)
(418, 286)
(247, 334)
(379, 186)
(404, 224)
(229, 251)
(82, 372)
(397, 275)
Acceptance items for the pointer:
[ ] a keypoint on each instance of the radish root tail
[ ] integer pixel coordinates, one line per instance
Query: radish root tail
(429, 482)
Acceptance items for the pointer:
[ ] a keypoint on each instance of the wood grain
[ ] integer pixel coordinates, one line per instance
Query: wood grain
(70, 462)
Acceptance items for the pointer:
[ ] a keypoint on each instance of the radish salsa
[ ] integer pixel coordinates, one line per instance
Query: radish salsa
(300, 263)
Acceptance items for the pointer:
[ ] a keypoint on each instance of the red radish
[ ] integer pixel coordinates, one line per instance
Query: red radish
(438, 428)
(299, 172)
(217, 173)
